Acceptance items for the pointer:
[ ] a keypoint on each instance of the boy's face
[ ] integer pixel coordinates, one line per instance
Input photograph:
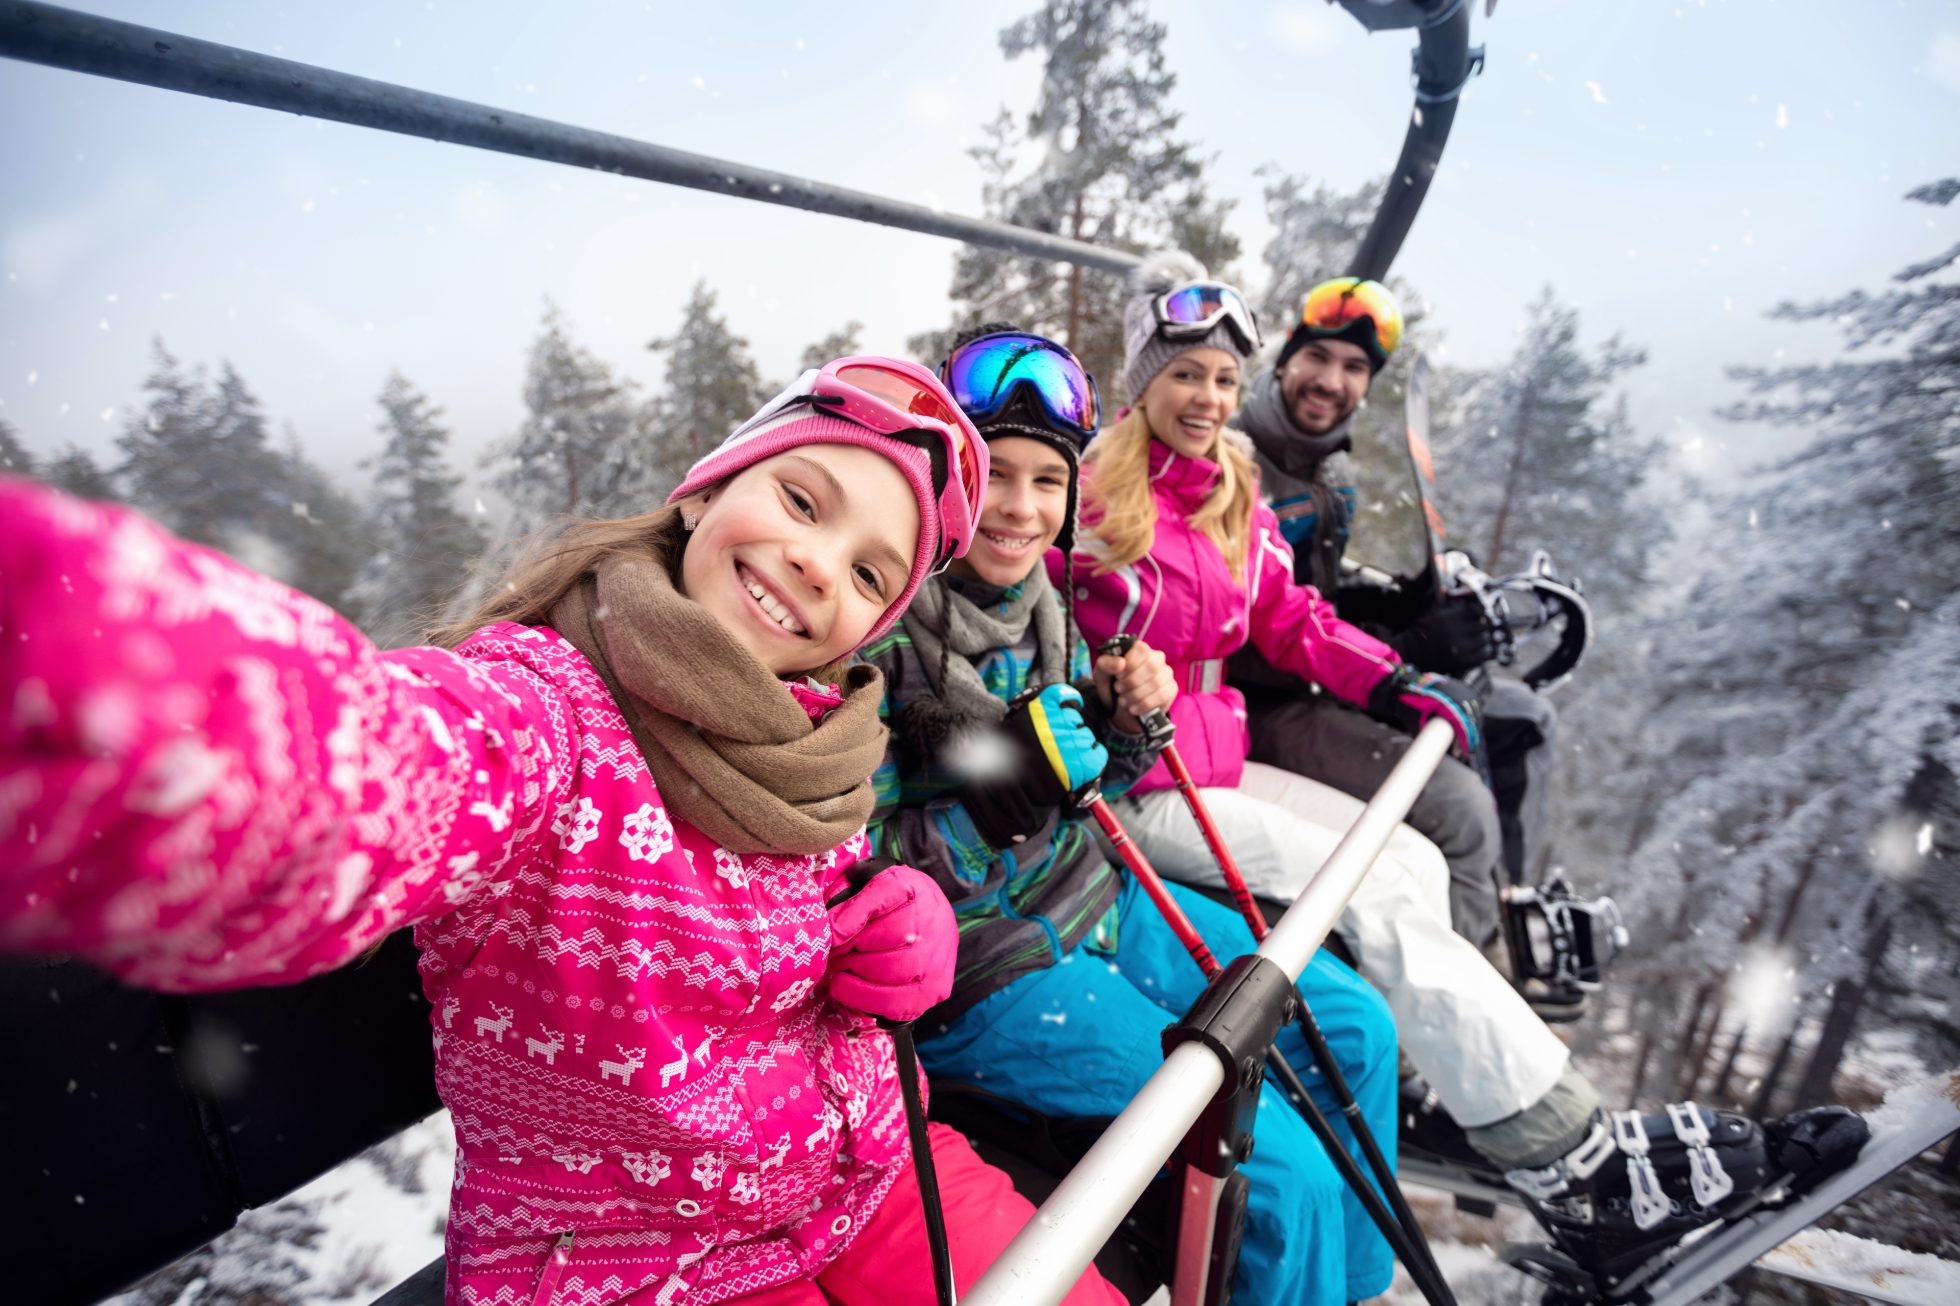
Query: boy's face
(1027, 501)
(800, 554)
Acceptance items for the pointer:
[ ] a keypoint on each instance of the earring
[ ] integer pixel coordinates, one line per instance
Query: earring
(689, 520)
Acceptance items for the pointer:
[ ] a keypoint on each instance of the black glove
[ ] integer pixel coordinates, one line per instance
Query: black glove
(1452, 637)
(1043, 752)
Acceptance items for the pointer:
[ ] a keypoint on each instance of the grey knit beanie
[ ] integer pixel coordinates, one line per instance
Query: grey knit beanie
(1145, 351)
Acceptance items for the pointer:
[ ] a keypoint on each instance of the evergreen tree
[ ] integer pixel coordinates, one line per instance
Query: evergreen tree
(74, 471)
(1807, 695)
(171, 454)
(316, 535)
(581, 449)
(243, 479)
(841, 343)
(1543, 457)
(1107, 168)
(422, 545)
(14, 458)
(712, 386)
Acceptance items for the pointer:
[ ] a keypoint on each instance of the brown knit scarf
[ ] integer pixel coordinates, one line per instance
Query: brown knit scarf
(733, 753)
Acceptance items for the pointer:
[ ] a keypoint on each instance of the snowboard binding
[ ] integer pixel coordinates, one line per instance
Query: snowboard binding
(1560, 945)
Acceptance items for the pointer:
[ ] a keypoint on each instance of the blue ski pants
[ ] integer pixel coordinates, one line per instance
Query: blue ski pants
(1079, 1038)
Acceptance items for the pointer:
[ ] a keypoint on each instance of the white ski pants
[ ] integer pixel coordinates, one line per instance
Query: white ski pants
(1483, 1050)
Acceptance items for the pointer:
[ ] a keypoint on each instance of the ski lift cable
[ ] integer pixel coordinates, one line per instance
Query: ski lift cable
(35, 32)
(106, 47)
(1057, 1244)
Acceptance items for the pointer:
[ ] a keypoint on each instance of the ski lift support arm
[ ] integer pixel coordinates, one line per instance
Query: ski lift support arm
(1444, 64)
(106, 47)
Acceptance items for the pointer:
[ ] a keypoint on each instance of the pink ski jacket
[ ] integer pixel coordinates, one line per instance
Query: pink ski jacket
(1180, 599)
(209, 781)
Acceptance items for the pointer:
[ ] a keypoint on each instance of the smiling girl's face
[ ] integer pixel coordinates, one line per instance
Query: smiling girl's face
(800, 554)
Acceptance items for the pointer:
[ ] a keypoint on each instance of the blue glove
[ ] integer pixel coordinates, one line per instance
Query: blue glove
(1051, 753)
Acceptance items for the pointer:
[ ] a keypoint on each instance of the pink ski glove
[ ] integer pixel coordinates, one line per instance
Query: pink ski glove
(892, 945)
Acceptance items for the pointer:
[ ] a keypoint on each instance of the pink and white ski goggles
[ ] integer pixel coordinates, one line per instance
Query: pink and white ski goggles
(903, 401)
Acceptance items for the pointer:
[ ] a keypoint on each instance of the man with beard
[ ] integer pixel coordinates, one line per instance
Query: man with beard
(1299, 417)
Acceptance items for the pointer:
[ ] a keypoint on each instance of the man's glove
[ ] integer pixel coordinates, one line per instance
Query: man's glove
(1042, 753)
(1406, 698)
(1452, 637)
(893, 942)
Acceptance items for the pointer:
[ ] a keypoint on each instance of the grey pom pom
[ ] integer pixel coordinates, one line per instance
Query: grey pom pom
(1165, 270)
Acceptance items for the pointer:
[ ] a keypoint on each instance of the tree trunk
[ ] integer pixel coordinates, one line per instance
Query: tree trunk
(1075, 284)
(1493, 558)
(1847, 1002)
(1671, 1075)
(1720, 1090)
(1698, 1058)
(1766, 1091)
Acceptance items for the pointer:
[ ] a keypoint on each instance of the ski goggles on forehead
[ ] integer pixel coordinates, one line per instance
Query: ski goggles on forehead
(985, 375)
(902, 400)
(1334, 305)
(1193, 310)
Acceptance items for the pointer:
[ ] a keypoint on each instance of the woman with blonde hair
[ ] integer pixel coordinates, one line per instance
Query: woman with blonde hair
(1186, 556)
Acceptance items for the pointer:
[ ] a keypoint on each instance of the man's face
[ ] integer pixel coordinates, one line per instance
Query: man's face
(1323, 382)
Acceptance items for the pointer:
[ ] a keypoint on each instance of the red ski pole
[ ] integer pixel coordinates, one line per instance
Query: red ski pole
(1417, 1256)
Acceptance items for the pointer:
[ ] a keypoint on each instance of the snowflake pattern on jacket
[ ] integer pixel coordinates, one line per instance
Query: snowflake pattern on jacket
(209, 781)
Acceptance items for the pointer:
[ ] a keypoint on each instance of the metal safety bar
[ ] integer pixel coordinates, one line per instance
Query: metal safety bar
(106, 47)
(1057, 1244)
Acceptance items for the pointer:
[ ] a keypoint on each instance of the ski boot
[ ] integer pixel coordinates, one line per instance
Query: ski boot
(1618, 1206)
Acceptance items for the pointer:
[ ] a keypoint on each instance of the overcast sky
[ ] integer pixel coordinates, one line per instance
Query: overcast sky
(1674, 167)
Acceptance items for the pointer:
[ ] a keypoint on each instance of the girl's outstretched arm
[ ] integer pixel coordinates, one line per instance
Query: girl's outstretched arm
(209, 780)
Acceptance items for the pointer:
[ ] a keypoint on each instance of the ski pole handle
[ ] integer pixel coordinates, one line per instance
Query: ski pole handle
(1157, 728)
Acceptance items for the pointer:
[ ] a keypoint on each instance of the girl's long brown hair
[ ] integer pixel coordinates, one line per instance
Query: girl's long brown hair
(549, 566)
(1121, 509)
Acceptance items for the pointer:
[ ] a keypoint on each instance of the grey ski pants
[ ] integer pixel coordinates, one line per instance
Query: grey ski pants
(1320, 737)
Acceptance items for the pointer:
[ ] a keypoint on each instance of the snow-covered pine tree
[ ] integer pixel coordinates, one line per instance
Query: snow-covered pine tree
(171, 453)
(1544, 455)
(76, 471)
(423, 545)
(580, 449)
(318, 531)
(841, 343)
(14, 458)
(1808, 693)
(1107, 167)
(244, 481)
(712, 386)
(258, 1262)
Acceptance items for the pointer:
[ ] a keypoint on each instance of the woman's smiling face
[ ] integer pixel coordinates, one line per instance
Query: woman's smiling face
(1187, 403)
(800, 554)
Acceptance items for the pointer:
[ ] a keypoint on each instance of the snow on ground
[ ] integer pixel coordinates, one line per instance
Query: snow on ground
(1858, 1264)
(370, 1222)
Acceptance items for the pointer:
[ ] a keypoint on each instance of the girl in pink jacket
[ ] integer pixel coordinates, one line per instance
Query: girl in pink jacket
(622, 806)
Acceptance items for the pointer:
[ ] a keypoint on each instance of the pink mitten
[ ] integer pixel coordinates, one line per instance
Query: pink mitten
(892, 945)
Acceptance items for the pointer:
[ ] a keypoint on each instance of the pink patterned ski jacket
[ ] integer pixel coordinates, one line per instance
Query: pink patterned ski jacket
(1180, 598)
(209, 781)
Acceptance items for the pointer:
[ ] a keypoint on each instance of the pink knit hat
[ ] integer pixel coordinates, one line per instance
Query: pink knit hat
(801, 426)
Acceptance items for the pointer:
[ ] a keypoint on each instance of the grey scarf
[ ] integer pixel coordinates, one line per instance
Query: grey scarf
(1279, 441)
(949, 632)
